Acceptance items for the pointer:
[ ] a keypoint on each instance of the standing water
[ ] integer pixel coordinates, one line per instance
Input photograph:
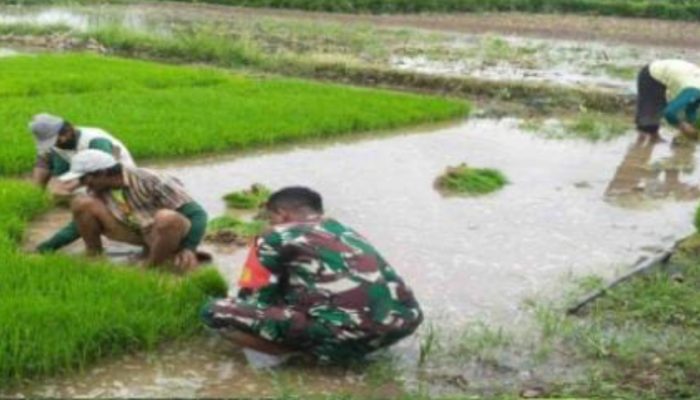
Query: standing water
(573, 208)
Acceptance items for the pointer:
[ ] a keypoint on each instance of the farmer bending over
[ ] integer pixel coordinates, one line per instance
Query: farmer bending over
(136, 206)
(330, 293)
(676, 80)
(57, 142)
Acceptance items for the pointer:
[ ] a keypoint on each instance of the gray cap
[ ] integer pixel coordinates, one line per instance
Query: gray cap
(45, 128)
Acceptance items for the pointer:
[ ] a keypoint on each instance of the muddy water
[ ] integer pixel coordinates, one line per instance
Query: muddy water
(477, 258)
(572, 209)
(599, 65)
(566, 62)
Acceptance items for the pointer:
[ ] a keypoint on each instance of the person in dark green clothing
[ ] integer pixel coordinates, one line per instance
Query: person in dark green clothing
(57, 142)
(136, 206)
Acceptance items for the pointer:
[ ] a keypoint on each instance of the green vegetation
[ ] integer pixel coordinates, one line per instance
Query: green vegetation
(161, 111)
(249, 199)
(335, 52)
(229, 229)
(67, 312)
(639, 341)
(61, 313)
(463, 179)
(685, 10)
(589, 125)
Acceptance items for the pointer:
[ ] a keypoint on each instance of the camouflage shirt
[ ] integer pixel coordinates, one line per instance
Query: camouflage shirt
(337, 277)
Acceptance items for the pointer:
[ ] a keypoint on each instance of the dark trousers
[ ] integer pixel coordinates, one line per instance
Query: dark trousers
(651, 101)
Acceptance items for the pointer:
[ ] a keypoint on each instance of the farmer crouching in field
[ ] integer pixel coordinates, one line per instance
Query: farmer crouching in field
(676, 80)
(57, 142)
(330, 293)
(136, 206)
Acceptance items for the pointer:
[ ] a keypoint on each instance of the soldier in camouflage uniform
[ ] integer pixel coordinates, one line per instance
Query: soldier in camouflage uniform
(330, 294)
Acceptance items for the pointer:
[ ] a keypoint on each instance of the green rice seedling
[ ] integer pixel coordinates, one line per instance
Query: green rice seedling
(588, 125)
(596, 126)
(248, 199)
(244, 229)
(165, 111)
(463, 179)
(428, 344)
(25, 29)
(479, 341)
(60, 313)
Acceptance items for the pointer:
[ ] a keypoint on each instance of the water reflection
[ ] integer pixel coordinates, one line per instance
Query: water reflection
(640, 177)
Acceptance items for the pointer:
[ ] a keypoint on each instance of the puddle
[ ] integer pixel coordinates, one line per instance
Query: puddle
(76, 18)
(50, 16)
(573, 208)
(6, 52)
(598, 65)
(564, 62)
(478, 258)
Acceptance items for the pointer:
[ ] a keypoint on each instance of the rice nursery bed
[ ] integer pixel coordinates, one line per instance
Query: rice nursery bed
(61, 313)
(162, 111)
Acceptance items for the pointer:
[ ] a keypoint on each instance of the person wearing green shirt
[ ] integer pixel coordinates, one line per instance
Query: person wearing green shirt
(668, 89)
(57, 142)
(136, 206)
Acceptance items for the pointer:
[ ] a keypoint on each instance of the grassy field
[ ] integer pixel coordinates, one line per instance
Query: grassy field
(664, 9)
(59, 312)
(641, 341)
(165, 111)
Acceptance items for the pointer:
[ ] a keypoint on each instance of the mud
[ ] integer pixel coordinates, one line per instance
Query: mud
(376, 41)
(582, 28)
(571, 209)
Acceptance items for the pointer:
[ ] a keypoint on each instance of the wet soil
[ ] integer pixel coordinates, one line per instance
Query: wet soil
(582, 28)
(351, 46)
(572, 209)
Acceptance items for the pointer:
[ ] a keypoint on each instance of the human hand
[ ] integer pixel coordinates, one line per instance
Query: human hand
(186, 260)
(688, 130)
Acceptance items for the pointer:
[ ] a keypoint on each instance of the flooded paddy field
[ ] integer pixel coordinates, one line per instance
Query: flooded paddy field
(572, 209)
(492, 54)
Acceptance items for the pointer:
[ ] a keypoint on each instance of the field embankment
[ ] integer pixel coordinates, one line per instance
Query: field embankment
(659, 9)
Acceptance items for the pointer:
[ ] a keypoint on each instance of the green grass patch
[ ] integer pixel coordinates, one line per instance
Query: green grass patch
(641, 340)
(165, 111)
(227, 228)
(248, 199)
(67, 312)
(588, 125)
(463, 179)
(26, 29)
(61, 313)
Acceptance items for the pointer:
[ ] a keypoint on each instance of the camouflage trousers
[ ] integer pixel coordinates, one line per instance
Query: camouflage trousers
(297, 329)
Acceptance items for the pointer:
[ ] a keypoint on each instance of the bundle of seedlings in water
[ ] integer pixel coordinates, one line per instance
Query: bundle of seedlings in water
(231, 230)
(250, 199)
(463, 179)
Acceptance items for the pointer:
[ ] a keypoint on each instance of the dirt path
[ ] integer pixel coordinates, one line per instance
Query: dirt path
(573, 27)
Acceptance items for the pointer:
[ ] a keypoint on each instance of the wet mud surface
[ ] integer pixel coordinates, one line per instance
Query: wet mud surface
(498, 47)
(572, 209)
